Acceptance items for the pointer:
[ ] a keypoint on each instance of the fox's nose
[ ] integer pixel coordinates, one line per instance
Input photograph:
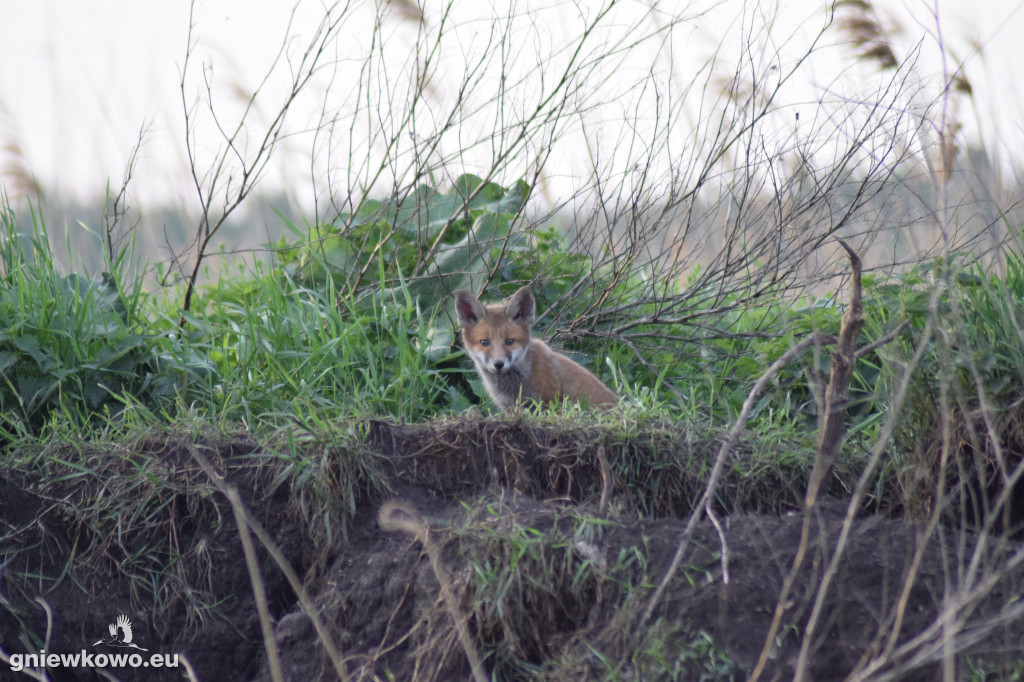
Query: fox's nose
(499, 365)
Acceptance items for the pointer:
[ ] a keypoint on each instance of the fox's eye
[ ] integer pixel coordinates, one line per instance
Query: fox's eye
(510, 342)
(485, 342)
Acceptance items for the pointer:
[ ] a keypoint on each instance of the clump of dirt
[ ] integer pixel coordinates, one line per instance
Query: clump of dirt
(549, 582)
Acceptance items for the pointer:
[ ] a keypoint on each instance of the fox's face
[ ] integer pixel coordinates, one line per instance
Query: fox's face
(496, 348)
(496, 337)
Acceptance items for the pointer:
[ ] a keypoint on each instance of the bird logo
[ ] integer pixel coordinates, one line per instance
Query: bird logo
(120, 634)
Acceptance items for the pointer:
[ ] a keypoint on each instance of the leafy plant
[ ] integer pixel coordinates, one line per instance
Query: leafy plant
(430, 242)
(68, 343)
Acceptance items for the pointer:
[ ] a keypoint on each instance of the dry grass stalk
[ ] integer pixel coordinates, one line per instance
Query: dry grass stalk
(259, 590)
(833, 428)
(400, 515)
(864, 29)
(18, 180)
(833, 431)
(246, 522)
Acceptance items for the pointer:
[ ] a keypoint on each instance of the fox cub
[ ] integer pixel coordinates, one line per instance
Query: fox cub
(516, 368)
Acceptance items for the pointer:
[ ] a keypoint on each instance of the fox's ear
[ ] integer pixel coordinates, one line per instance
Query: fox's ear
(469, 310)
(522, 307)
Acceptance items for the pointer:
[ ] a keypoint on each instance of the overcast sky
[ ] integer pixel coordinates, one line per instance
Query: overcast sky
(79, 79)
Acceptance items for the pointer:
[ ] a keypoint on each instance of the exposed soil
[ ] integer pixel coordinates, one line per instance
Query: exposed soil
(551, 585)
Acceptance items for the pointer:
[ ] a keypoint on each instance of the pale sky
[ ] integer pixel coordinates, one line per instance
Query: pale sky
(78, 80)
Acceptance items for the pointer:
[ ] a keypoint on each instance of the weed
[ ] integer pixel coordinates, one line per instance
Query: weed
(70, 346)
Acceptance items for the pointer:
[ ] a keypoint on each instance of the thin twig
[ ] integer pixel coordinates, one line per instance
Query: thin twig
(607, 481)
(710, 511)
(888, 338)
(189, 670)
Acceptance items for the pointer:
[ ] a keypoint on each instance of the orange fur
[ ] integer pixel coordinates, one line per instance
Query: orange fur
(515, 367)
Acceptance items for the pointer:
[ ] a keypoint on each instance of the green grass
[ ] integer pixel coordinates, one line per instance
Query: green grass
(289, 343)
(279, 351)
(71, 348)
(280, 374)
(290, 340)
